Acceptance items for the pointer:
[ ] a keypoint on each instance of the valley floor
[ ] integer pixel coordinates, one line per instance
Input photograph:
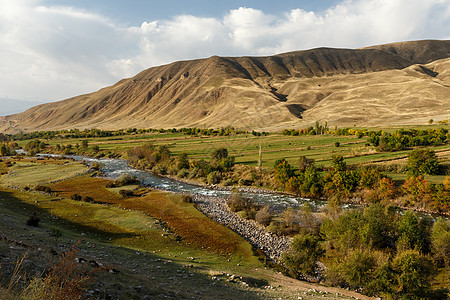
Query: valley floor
(154, 246)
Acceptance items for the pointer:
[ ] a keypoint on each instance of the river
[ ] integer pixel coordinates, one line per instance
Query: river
(112, 168)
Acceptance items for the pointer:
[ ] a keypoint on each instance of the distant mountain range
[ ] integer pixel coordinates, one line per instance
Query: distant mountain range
(14, 106)
(400, 83)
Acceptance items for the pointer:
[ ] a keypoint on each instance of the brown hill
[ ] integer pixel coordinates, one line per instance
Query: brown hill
(386, 84)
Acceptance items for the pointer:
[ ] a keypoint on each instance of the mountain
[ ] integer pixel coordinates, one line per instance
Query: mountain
(400, 83)
(14, 106)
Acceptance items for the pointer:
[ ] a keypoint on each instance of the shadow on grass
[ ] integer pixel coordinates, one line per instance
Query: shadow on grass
(26, 210)
(196, 282)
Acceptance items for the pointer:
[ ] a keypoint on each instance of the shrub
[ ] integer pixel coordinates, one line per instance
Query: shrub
(306, 250)
(88, 199)
(75, 197)
(125, 179)
(187, 198)
(228, 182)
(213, 177)
(33, 220)
(236, 202)
(304, 163)
(183, 173)
(337, 144)
(243, 214)
(96, 166)
(126, 193)
(274, 227)
(110, 184)
(263, 216)
(43, 188)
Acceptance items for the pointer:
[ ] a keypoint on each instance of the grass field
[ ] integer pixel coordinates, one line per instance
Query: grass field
(245, 147)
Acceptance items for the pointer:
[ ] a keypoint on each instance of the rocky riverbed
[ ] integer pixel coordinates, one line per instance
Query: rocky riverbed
(271, 244)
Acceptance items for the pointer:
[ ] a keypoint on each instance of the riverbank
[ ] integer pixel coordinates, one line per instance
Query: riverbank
(271, 244)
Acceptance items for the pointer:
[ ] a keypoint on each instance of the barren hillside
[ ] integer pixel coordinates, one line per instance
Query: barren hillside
(401, 83)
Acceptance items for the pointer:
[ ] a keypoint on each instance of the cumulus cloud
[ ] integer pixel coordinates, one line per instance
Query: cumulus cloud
(53, 52)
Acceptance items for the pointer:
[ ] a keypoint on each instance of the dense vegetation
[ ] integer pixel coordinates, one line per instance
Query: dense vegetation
(367, 184)
(91, 133)
(377, 250)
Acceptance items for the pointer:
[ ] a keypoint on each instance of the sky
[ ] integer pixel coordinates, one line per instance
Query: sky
(55, 49)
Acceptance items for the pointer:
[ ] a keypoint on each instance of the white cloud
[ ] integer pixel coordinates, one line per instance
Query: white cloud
(57, 52)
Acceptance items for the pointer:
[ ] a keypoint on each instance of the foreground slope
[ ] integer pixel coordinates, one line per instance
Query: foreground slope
(387, 84)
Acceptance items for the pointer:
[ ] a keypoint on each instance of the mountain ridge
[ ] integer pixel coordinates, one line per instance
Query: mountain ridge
(266, 92)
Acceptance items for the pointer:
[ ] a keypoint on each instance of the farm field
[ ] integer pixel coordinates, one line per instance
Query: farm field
(245, 147)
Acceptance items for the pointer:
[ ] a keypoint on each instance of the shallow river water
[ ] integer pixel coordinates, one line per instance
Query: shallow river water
(113, 168)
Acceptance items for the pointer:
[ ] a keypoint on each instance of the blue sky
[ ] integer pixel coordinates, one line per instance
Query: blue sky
(134, 12)
(56, 49)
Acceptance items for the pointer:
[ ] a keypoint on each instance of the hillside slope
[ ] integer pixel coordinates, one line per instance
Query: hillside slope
(386, 84)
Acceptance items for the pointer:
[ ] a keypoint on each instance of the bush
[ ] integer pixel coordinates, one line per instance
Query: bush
(228, 182)
(76, 197)
(306, 250)
(126, 193)
(243, 214)
(43, 188)
(214, 177)
(125, 179)
(33, 220)
(96, 166)
(337, 144)
(183, 173)
(187, 198)
(88, 199)
(236, 202)
(110, 184)
(263, 216)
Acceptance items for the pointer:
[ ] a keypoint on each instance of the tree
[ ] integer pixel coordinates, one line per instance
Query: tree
(338, 163)
(413, 274)
(440, 241)
(306, 250)
(304, 163)
(4, 151)
(358, 268)
(423, 161)
(283, 171)
(183, 162)
(413, 233)
(219, 154)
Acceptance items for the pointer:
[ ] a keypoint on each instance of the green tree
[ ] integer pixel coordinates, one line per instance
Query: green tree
(413, 233)
(358, 268)
(219, 154)
(413, 274)
(306, 251)
(4, 151)
(338, 163)
(182, 161)
(423, 161)
(283, 171)
(376, 230)
(440, 242)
